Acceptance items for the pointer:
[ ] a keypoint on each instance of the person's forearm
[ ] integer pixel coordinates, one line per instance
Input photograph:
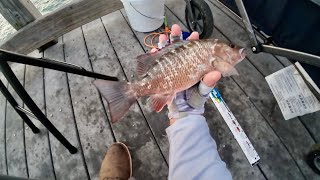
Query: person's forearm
(193, 152)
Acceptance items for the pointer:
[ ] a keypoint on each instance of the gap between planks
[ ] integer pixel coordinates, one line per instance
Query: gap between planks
(229, 150)
(308, 120)
(3, 109)
(268, 65)
(105, 59)
(57, 97)
(37, 147)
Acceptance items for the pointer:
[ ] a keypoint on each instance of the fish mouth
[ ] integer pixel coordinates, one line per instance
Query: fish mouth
(242, 53)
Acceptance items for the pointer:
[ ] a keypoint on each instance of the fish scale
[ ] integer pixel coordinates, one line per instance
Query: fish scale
(184, 59)
(168, 71)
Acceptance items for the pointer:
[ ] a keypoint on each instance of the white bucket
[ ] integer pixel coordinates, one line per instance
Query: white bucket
(144, 15)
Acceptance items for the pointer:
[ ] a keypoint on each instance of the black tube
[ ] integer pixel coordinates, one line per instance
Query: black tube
(12, 79)
(247, 24)
(292, 54)
(51, 64)
(14, 104)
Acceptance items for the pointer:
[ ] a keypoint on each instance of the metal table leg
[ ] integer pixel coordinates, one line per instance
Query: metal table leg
(51, 64)
(7, 56)
(12, 79)
(14, 104)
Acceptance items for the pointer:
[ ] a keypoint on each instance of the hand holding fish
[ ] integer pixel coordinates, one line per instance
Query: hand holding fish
(167, 73)
(190, 101)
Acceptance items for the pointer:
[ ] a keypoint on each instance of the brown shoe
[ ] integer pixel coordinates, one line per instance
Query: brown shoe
(117, 164)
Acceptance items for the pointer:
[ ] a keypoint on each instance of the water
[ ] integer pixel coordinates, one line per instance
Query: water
(44, 6)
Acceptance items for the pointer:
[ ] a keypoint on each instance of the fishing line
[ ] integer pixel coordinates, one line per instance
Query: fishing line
(155, 34)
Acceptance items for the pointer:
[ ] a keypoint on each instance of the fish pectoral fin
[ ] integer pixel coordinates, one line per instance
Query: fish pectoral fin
(230, 72)
(160, 100)
(225, 68)
(172, 96)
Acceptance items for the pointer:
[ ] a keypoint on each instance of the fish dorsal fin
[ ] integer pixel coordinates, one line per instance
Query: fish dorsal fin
(145, 62)
(159, 101)
(148, 60)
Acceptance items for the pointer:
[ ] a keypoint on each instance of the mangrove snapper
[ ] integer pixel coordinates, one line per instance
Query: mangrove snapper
(175, 68)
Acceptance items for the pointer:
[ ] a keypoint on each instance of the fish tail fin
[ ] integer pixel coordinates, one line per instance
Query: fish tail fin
(118, 97)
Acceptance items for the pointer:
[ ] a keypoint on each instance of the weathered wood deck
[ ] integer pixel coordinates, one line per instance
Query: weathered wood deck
(109, 46)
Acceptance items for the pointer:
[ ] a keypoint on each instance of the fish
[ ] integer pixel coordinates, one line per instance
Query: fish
(172, 69)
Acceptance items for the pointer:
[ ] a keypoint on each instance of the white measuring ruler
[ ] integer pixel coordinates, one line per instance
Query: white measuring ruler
(235, 128)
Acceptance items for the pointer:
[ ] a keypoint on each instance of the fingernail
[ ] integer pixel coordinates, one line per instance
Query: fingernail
(214, 84)
(176, 30)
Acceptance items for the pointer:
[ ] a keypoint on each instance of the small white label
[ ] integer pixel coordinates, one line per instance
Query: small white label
(291, 92)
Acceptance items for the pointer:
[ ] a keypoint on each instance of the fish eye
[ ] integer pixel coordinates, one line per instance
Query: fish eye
(232, 45)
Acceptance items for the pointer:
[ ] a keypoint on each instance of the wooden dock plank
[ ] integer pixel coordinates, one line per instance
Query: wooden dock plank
(292, 133)
(238, 169)
(234, 90)
(158, 121)
(308, 120)
(251, 85)
(60, 112)
(19, 13)
(311, 121)
(228, 147)
(3, 104)
(147, 152)
(257, 129)
(55, 24)
(15, 147)
(240, 166)
(37, 145)
(94, 131)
